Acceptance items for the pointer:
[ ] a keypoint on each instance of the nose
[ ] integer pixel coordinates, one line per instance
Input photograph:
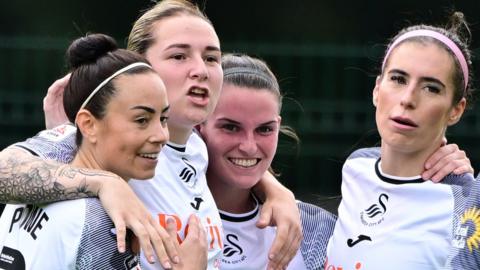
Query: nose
(159, 134)
(248, 145)
(408, 99)
(198, 70)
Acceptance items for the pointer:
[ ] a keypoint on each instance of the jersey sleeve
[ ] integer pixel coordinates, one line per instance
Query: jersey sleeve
(98, 244)
(372, 152)
(317, 225)
(55, 144)
(465, 251)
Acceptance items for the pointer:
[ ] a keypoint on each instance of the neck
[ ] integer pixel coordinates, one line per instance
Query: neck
(405, 164)
(230, 199)
(85, 158)
(179, 134)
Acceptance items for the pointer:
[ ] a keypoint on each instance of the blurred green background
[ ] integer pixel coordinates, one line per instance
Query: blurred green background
(326, 55)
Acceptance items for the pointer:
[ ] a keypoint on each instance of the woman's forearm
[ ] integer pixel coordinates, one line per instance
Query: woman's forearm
(25, 178)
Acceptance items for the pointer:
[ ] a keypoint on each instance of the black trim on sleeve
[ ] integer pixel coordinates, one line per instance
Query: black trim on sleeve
(29, 150)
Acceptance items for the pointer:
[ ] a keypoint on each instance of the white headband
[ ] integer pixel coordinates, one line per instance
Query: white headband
(120, 71)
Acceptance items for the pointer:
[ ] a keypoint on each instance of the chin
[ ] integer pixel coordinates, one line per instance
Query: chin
(144, 175)
(198, 118)
(246, 182)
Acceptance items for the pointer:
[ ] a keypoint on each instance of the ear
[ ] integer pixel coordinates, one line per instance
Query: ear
(375, 91)
(457, 112)
(201, 128)
(88, 125)
(279, 120)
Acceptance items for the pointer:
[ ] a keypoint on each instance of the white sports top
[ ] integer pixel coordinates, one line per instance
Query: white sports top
(388, 222)
(246, 246)
(180, 189)
(75, 234)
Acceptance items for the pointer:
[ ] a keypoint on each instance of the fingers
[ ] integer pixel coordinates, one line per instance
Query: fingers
(194, 229)
(60, 84)
(440, 154)
(121, 232)
(129, 212)
(144, 238)
(194, 247)
(159, 242)
(265, 218)
(167, 240)
(197, 235)
(278, 250)
(202, 234)
(444, 141)
(284, 247)
(56, 89)
(436, 174)
(141, 233)
(53, 103)
(445, 160)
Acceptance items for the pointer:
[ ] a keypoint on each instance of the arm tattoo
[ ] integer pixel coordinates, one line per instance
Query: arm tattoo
(29, 179)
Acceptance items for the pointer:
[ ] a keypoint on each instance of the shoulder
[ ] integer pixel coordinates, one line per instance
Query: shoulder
(196, 142)
(56, 144)
(196, 151)
(466, 179)
(372, 152)
(315, 218)
(317, 225)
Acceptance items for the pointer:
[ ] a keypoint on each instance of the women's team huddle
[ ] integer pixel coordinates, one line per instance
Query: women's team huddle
(159, 156)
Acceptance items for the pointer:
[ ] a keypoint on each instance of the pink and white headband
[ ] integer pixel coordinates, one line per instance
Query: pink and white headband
(438, 36)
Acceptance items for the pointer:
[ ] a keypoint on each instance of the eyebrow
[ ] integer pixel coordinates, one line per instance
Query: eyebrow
(148, 109)
(427, 79)
(166, 109)
(187, 46)
(145, 108)
(238, 123)
(268, 123)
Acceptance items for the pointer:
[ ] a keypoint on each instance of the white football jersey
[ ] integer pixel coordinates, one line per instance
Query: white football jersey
(74, 234)
(246, 246)
(388, 222)
(180, 189)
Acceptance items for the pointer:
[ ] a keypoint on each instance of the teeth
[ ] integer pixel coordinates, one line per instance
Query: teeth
(198, 91)
(150, 156)
(244, 162)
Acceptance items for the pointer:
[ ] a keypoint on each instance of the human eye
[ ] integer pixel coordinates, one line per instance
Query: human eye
(163, 120)
(432, 89)
(212, 58)
(399, 79)
(142, 121)
(230, 127)
(265, 130)
(178, 56)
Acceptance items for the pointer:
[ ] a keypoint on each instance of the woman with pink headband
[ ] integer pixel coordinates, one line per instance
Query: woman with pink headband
(389, 217)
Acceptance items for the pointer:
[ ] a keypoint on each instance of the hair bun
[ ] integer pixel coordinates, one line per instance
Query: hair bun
(88, 49)
(458, 25)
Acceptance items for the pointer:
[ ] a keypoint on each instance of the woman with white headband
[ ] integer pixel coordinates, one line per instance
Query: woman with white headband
(119, 106)
(389, 217)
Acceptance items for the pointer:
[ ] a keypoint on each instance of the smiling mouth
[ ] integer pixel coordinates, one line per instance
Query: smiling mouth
(153, 156)
(245, 162)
